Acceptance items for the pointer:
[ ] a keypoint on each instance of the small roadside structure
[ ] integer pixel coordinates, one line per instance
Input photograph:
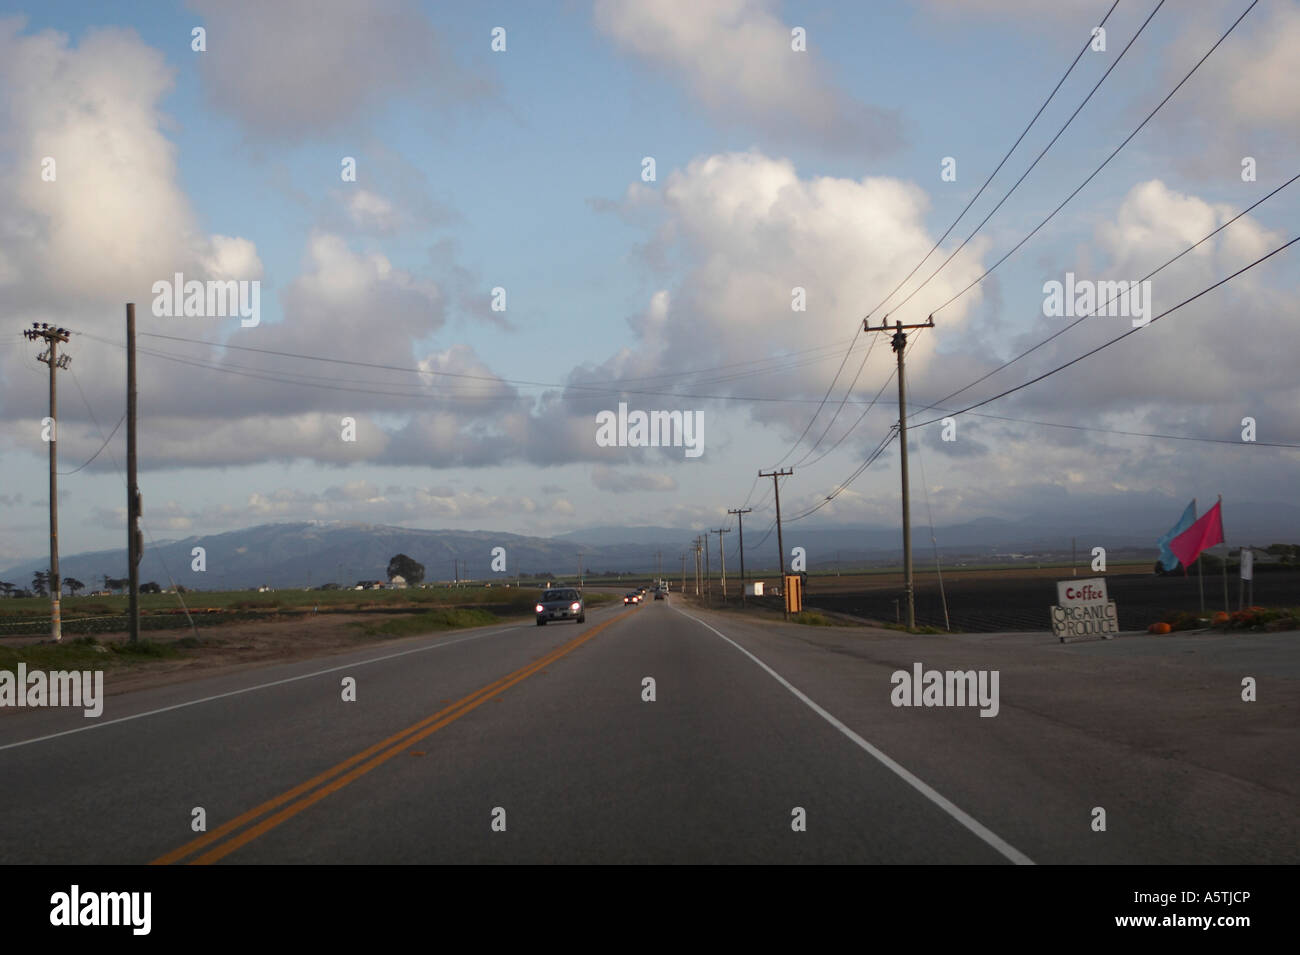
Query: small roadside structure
(397, 582)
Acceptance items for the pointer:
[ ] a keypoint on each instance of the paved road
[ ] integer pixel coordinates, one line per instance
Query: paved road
(753, 726)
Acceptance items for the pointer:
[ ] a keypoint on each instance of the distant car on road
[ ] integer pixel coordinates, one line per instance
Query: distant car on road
(562, 603)
(631, 597)
(661, 595)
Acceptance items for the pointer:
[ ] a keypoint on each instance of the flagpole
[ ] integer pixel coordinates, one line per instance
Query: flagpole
(1241, 584)
(1200, 581)
(1226, 551)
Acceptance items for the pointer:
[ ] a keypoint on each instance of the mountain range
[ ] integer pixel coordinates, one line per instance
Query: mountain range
(313, 553)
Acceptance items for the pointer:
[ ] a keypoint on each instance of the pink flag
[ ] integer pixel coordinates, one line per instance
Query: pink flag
(1206, 532)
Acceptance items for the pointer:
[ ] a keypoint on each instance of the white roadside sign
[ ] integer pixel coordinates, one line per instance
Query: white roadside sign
(1083, 609)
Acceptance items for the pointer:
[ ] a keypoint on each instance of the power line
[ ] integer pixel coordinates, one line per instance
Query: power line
(1107, 160)
(1131, 434)
(611, 386)
(1023, 175)
(1073, 361)
(77, 382)
(317, 381)
(847, 391)
(939, 242)
(771, 358)
(1090, 177)
(1092, 313)
(1121, 337)
(874, 399)
(331, 383)
(871, 459)
(1023, 134)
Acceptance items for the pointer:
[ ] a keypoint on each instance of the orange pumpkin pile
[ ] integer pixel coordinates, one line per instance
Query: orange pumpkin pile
(1158, 628)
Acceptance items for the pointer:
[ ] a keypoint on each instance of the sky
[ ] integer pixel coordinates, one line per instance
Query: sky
(474, 227)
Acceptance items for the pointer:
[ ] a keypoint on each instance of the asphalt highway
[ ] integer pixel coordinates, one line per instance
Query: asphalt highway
(764, 742)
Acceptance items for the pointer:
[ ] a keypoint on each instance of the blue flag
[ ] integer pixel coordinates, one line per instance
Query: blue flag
(1169, 560)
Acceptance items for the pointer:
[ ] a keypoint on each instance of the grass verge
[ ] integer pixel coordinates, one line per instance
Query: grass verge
(84, 653)
(811, 618)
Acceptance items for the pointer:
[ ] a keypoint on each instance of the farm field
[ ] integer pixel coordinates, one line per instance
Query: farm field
(990, 601)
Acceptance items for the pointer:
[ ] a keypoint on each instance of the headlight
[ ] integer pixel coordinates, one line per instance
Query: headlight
(575, 606)
(540, 608)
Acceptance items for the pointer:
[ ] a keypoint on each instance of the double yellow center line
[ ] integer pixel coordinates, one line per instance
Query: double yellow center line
(300, 797)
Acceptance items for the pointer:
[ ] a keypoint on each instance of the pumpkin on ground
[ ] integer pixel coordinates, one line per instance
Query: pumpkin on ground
(1158, 628)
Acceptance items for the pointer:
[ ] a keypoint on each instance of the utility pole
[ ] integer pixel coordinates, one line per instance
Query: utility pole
(780, 544)
(683, 573)
(740, 513)
(899, 343)
(697, 566)
(708, 584)
(722, 558)
(52, 337)
(134, 536)
(659, 561)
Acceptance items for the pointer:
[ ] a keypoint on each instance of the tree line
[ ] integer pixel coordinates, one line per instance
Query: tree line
(41, 586)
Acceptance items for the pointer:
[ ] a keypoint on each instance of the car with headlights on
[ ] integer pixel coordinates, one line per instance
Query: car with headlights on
(561, 603)
(631, 597)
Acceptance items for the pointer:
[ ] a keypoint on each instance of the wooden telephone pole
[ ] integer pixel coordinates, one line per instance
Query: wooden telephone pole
(722, 558)
(134, 505)
(899, 343)
(53, 337)
(780, 544)
(740, 513)
(708, 585)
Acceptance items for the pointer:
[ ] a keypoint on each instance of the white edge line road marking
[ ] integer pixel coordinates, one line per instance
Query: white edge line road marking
(250, 689)
(974, 825)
